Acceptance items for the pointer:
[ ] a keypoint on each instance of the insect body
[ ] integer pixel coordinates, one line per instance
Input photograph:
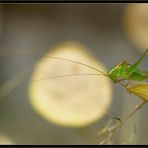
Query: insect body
(126, 71)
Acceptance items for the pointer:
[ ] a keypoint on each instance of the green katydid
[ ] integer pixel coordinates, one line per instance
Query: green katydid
(126, 71)
(120, 72)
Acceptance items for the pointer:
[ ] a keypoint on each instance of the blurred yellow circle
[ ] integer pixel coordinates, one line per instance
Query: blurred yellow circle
(71, 100)
(5, 140)
(136, 24)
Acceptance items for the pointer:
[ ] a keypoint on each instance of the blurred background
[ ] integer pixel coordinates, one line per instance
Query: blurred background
(111, 33)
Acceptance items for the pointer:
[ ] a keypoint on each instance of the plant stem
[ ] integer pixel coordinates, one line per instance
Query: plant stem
(120, 123)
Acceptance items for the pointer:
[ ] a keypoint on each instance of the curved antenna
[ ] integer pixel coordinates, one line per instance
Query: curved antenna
(58, 58)
(59, 76)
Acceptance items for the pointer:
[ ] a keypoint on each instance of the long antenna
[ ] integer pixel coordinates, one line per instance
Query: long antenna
(77, 63)
(59, 76)
(59, 58)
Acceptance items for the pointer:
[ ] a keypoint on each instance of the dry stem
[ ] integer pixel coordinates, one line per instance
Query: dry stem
(110, 130)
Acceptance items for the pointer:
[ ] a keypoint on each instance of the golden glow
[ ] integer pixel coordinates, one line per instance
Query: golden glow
(136, 24)
(5, 140)
(70, 101)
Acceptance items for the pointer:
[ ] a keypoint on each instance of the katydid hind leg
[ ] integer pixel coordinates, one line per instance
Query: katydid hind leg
(141, 58)
(133, 67)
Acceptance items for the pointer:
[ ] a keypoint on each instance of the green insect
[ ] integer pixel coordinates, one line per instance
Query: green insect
(126, 71)
(121, 72)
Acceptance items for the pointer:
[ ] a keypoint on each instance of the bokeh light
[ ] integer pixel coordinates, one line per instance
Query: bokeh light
(71, 100)
(136, 24)
(5, 140)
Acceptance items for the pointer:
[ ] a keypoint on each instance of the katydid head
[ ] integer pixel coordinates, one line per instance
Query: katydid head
(112, 74)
